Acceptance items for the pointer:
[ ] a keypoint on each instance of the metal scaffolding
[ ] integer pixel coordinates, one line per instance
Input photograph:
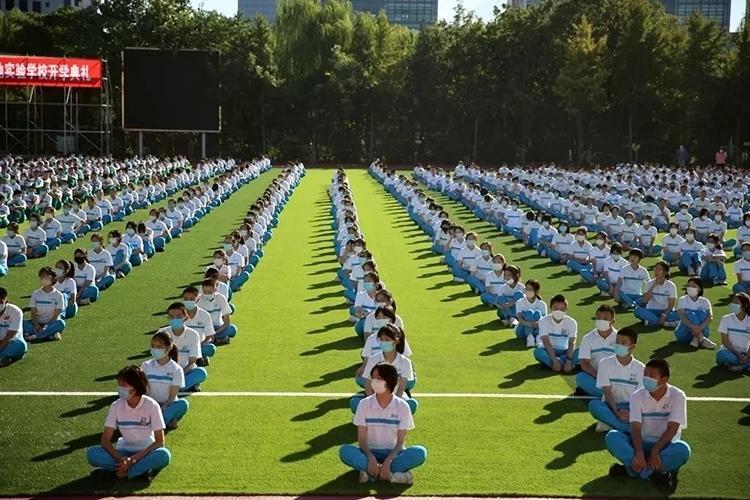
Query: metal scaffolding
(44, 120)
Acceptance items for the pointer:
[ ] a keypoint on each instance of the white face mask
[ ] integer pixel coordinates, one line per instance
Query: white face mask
(558, 315)
(602, 325)
(530, 295)
(580, 238)
(358, 249)
(497, 266)
(717, 218)
(218, 262)
(689, 237)
(599, 242)
(510, 282)
(692, 291)
(378, 386)
(673, 232)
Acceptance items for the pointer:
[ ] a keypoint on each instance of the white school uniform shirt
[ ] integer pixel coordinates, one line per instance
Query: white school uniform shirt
(701, 225)
(401, 363)
(661, 294)
(88, 273)
(188, 344)
(742, 267)
(559, 334)
(737, 330)
(3, 255)
(493, 283)
(655, 415)
(134, 242)
(743, 234)
(223, 290)
(383, 424)
(562, 242)
(634, 279)
(11, 320)
(590, 214)
(688, 304)
(201, 323)
(694, 247)
(595, 348)
(599, 257)
(547, 233)
(580, 250)
(68, 222)
(67, 286)
(120, 247)
(15, 245)
(469, 257)
(93, 213)
(456, 247)
(629, 232)
(236, 263)
(162, 377)
(683, 220)
(46, 303)
(365, 301)
(523, 304)
(647, 235)
(623, 379)
(52, 229)
(673, 243)
(101, 261)
(136, 425)
(217, 306)
(35, 237)
(483, 267)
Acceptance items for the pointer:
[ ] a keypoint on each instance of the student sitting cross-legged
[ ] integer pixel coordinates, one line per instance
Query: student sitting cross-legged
(382, 421)
(140, 451)
(595, 346)
(658, 413)
(617, 378)
(557, 337)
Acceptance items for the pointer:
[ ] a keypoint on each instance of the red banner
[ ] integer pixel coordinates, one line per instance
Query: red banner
(50, 71)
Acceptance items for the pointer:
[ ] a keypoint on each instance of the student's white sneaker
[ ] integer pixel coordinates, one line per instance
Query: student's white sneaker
(707, 343)
(603, 294)
(31, 338)
(695, 342)
(530, 342)
(513, 322)
(735, 368)
(402, 477)
(458, 280)
(85, 302)
(57, 336)
(602, 427)
(364, 477)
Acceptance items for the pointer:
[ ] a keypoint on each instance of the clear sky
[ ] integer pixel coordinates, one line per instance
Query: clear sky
(483, 8)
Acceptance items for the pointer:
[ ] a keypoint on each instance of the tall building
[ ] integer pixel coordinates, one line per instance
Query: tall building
(411, 13)
(252, 8)
(42, 6)
(718, 10)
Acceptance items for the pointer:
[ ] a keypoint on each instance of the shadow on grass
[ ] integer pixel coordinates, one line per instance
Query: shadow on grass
(314, 263)
(324, 284)
(432, 274)
(493, 325)
(332, 326)
(512, 344)
(333, 438)
(615, 487)
(142, 355)
(323, 296)
(459, 295)
(558, 408)
(673, 347)
(71, 446)
(715, 376)
(92, 406)
(530, 372)
(327, 309)
(471, 310)
(349, 343)
(586, 441)
(340, 374)
(347, 483)
(327, 270)
(106, 378)
(322, 409)
(96, 484)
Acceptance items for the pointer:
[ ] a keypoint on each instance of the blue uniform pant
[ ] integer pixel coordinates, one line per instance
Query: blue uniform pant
(523, 331)
(673, 456)
(577, 267)
(651, 316)
(407, 459)
(14, 350)
(683, 333)
(175, 411)
(136, 259)
(587, 383)
(238, 280)
(690, 262)
(91, 293)
(155, 461)
(651, 251)
(601, 411)
(714, 273)
(105, 282)
(53, 243)
(18, 259)
(51, 328)
(541, 355)
(475, 284)
(120, 263)
(39, 251)
(229, 332)
(208, 350)
(737, 288)
(194, 377)
(725, 357)
(630, 300)
(461, 274)
(488, 298)
(68, 237)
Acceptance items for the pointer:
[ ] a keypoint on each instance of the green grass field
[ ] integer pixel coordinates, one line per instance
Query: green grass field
(294, 337)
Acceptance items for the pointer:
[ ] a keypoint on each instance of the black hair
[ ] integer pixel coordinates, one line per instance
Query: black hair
(396, 334)
(388, 373)
(629, 333)
(557, 299)
(661, 365)
(47, 271)
(606, 308)
(3, 293)
(665, 267)
(637, 252)
(176, 306)
(697, 281)
(135, 378)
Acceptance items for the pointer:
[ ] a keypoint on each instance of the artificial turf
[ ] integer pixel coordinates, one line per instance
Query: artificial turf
(293, 336)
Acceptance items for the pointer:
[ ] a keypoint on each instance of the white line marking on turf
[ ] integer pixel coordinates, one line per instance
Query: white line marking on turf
(266, 394)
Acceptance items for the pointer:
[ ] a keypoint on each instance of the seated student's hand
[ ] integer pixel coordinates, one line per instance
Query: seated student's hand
(623, 415)
(385, 471)
(372, 466)
(639, 462)
(654, 461)
(568, 367)
(534, 324)
(556, 367)
(359, 371)
(38, 328)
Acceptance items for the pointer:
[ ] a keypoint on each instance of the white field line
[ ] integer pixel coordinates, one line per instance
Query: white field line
(338, 395)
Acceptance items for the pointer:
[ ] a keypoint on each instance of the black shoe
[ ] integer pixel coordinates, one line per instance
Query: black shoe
(196, 388)
(202, 362)
(618, 470)
(665, 479)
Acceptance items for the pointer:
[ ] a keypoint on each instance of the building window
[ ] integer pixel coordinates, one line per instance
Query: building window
(36, 6)
(23, 5)
(9, 4)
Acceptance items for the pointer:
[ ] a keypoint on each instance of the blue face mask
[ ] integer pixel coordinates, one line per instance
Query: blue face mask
(157, 353)
(735, 307)
(176, 323)
(621, 350)
(387, 346)
(369, 286)
(124, 393)
(189, 304)
(650, 384)
(746, 254)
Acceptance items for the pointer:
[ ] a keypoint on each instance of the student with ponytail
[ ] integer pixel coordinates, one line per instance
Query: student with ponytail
(165, 377)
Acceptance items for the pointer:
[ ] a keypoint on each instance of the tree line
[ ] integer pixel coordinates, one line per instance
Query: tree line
(585, 82)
